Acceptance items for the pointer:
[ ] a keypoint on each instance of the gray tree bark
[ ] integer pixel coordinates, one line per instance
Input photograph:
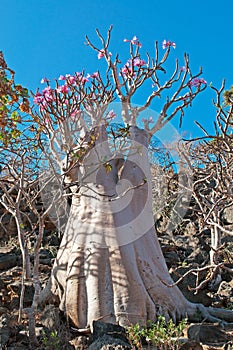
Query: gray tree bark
(110, 265)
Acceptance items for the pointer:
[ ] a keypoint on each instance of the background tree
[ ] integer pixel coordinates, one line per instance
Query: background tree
(20, 193)
(209, 158)
(14, 104)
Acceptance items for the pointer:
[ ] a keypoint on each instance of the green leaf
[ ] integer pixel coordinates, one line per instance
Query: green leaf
(15, 133)
(15, 116)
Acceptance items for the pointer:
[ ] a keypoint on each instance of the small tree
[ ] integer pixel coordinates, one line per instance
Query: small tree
(209, 158)
(14, 103)
(20, 192)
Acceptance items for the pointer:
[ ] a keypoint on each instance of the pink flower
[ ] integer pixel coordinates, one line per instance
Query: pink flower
(150, 120)
(48, 93)
(203, 81)
(133, 41)
(101, 54)
(168, 43)
(127, 70)
(39, 98)
(71, 79)
(62, 77)
(138, 63)
(47, 90)
(93, 96)
(111, 114)
(95, 75)
(43, 105)
(183, 69)
(63, 89)
(75, 113)
(44, 80)
(128, 67)
(84, 80)
(196, 82)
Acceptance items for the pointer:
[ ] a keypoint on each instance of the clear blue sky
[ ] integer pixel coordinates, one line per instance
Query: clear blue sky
(46, 38)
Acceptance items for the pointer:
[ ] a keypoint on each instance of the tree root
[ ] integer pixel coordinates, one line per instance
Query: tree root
(195, 313)
(211, 314)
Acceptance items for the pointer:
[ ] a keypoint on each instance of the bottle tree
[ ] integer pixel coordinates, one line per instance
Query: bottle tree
(110, 265)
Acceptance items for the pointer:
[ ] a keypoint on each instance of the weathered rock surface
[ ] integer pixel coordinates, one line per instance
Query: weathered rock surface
(227, 215)
(50, 317)
(107, 336)
(191, 345)
(208, 334)
(7, 261)
(4, 330)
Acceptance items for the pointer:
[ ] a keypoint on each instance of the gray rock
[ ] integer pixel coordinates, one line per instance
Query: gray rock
(208, 334)
(50, 317)
(171, 258)
(4, 330)
(225, 289)
(191, 345)
(106, 342)
(108, 336)
(227, 215)
(7, 261)
(3, 310)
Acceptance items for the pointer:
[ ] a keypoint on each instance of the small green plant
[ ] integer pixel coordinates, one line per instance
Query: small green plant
(182, 263)
(162, 334)
(51, 341)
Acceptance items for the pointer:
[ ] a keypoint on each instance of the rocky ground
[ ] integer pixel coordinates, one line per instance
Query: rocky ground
(183, 251)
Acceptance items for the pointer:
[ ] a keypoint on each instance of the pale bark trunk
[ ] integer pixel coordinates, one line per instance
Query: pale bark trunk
(110, 265)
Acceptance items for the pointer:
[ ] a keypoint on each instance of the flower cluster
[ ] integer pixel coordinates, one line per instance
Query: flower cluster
(137, 62)
(133, 41)
(49, 95)
(101, 54)
(128, 69)
(168, 43)
(196, 82)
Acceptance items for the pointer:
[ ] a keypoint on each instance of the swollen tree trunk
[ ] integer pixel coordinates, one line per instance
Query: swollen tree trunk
(110, 265)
